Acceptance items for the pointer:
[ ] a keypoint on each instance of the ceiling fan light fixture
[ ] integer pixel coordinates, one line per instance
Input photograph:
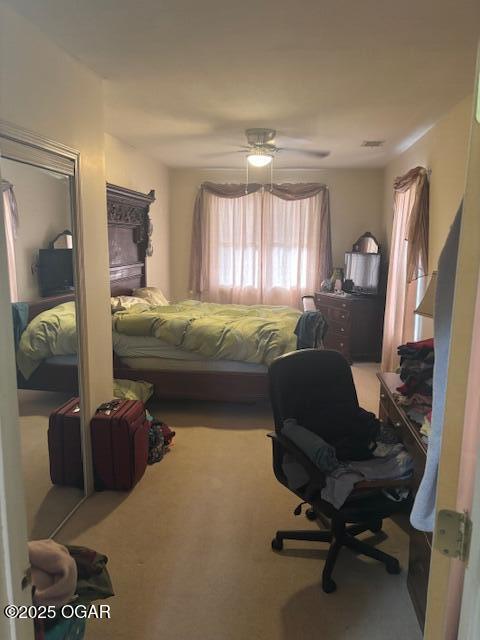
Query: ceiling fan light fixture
(259, 158)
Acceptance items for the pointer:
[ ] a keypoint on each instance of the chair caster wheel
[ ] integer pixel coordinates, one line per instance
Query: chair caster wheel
(277, 545)
(393, 566)
(376, 527)
(328, 585)
(311, 515)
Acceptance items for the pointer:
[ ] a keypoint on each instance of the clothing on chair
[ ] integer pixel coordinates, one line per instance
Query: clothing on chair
(310, 330)
(390, 461)
(352, 431)
(320, 452)
(341, 482)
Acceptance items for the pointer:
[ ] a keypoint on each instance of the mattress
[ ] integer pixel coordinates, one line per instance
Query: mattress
(148, 353)
(175, 364)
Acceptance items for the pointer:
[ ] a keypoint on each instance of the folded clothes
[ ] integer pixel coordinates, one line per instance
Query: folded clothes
(93, 579)
(54, 573)
(416, 372)
(390, 460)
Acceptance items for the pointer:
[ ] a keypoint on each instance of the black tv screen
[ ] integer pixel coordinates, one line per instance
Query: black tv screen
(55, 271)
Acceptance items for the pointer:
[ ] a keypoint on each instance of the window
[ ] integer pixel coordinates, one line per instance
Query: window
(262, 247)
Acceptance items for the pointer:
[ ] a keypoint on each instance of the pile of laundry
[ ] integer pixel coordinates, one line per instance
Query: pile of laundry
(388, 459)
(65, 575)
(160, 438)
(416, 373)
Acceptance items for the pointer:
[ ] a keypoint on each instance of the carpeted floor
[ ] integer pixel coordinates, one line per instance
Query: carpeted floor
(190, 553)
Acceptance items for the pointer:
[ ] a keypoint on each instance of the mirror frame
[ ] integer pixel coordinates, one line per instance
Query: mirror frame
(30, 148)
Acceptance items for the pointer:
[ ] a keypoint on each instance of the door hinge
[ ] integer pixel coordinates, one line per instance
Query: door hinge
(453, 534)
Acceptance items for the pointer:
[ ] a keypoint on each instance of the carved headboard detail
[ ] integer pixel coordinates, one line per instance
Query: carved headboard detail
(129, 237)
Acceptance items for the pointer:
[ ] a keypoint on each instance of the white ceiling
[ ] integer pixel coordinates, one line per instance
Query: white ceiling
(184, 78)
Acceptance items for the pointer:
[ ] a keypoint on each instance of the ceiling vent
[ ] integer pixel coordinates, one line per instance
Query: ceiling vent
(373, 143)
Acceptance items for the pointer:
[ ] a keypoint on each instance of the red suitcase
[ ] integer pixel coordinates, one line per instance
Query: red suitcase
(119, 444)
(65, 445)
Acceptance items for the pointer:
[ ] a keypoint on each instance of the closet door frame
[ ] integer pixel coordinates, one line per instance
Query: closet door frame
(29, 147)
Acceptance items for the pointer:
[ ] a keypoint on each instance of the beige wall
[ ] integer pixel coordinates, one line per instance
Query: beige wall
(127, 167)
(43, 200)
(46, 91)
(356, 200)
(443, 149)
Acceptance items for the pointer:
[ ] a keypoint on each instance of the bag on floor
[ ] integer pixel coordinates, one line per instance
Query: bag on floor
(64, 445)
(160, 437)
(119, 433)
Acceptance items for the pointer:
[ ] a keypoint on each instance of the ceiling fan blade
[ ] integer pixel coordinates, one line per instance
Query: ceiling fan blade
(219, 154)
(309, 152)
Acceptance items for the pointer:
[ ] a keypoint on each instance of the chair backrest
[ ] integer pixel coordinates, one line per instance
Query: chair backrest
(314, 386)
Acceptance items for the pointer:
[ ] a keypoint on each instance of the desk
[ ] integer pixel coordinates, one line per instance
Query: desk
(420, 546)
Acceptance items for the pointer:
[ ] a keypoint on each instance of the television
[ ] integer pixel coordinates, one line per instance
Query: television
(55, 271)
(363, 269)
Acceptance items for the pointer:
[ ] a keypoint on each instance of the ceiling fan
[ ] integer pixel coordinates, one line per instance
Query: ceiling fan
(262, 147)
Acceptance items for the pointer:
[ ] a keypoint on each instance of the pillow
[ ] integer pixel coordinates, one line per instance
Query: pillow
(152, 295)
(130, 390)
(119, 303)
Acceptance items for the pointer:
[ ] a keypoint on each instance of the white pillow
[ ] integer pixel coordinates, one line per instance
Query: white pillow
(118, 303)
(152, 295)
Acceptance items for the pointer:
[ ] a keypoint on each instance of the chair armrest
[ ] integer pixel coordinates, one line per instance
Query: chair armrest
(316, 477)
(365, 485)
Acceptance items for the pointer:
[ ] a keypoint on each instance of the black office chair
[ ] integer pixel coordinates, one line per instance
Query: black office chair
(307, 385)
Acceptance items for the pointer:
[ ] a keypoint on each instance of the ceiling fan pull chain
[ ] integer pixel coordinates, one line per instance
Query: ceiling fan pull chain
(246, 183)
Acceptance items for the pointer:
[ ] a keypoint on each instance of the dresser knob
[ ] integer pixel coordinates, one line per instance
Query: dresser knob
(341, 344)
(342, 329)
(383, 396)
(398, 424)
(343, 305)
(342, 316)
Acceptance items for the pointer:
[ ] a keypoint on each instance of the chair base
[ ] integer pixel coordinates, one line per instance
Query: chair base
(340, 536)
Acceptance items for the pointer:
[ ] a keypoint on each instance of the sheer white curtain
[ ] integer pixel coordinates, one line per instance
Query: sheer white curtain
(10, 221)
(408, 263)
(291, 248)
(232, 251)
(263, 249)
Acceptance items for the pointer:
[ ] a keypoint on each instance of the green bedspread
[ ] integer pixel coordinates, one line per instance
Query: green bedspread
(256, 334)
(51, 333)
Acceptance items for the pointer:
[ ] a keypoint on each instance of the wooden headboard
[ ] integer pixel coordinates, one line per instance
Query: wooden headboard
(129, 231)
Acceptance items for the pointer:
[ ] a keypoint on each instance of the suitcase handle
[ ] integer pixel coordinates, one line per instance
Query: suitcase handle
(108, 407)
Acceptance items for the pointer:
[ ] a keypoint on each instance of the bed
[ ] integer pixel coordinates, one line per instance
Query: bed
(175, 373)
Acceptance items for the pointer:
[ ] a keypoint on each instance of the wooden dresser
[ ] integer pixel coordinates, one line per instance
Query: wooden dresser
(420, 546)
(355, 324)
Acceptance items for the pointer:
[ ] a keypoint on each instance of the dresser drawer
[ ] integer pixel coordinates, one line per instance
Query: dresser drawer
(325, 310)
(339, 314)
(338, 302)
(340, 328)
(337, 343)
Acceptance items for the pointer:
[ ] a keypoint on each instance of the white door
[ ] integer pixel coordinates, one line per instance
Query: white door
(461, 434)
(13, 530)
(470, 612)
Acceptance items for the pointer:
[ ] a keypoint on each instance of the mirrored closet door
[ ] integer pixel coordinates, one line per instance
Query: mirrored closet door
(39, 197)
